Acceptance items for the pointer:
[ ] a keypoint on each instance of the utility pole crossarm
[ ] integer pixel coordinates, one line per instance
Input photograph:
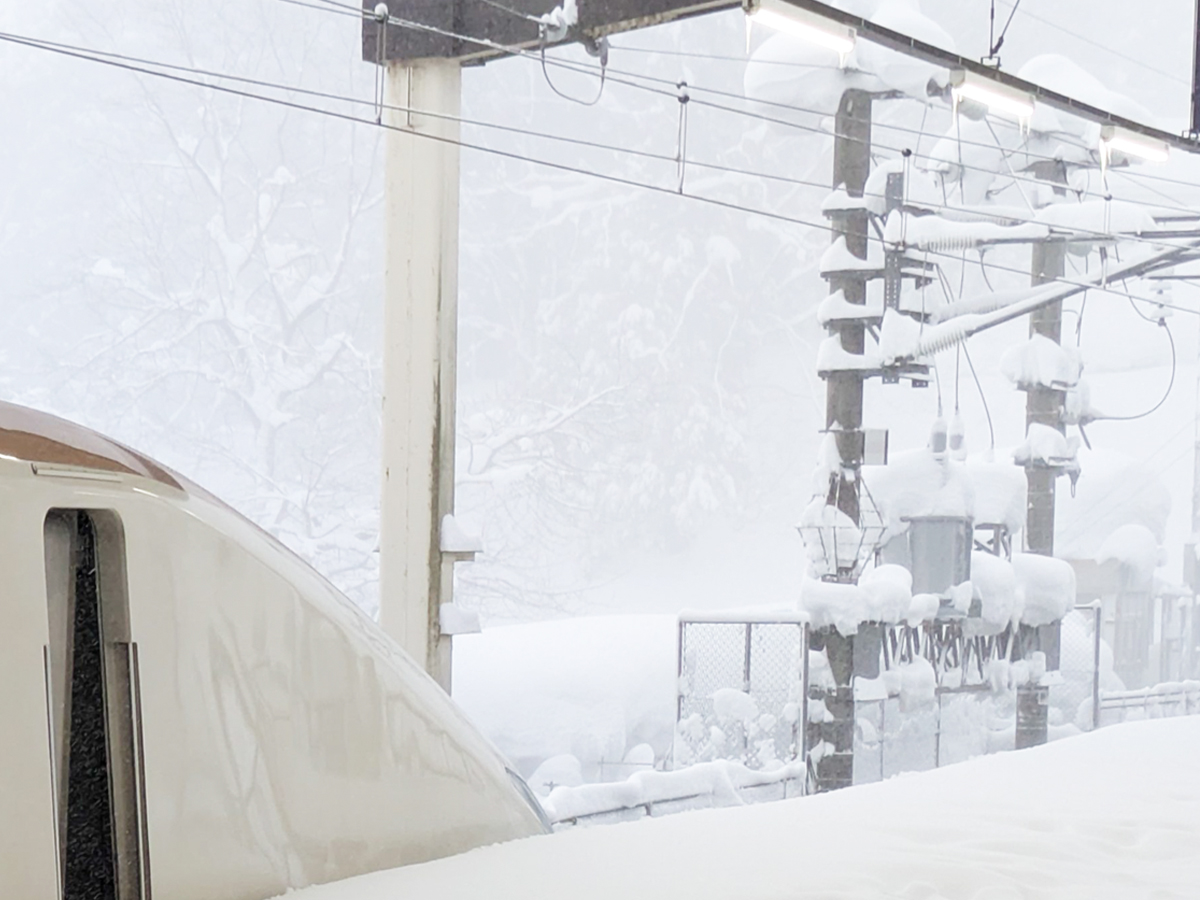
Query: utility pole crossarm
(515, 27)
(910, 46)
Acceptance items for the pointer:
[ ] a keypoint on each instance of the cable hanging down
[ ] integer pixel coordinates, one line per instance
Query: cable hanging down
(1161, 321)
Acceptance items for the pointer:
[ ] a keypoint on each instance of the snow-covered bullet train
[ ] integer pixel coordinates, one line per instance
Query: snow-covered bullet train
(189, 711)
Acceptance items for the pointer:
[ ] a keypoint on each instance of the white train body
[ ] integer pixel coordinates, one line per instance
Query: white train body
(254, 732)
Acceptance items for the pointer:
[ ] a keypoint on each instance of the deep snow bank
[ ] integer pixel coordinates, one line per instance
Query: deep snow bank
(1113, 814)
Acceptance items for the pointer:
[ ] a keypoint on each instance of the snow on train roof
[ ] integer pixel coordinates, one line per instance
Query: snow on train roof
(37, 437)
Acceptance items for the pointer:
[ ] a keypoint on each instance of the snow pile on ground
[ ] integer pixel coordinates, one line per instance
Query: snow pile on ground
(1133, 546)
(1113, 815)
(585, 690)
(1114, 490)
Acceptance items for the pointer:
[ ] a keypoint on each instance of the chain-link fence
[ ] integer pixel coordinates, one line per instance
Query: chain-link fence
(971, 708)
(741, 691)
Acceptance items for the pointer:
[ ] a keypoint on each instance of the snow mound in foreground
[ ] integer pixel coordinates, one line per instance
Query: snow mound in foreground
(1112, 814)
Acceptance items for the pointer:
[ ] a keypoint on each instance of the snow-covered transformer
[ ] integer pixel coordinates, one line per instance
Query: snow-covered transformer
(190, 711)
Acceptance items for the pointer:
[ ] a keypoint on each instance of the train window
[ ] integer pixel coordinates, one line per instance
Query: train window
(94, 703)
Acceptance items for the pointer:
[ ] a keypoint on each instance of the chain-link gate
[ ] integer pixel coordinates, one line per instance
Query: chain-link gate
(741, 692)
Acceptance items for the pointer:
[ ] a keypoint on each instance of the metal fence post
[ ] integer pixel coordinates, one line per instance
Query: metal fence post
(804, 704)
(1099, 618)
(678, 688)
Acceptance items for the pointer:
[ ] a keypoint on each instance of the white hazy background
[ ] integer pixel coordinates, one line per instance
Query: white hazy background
(200, 276)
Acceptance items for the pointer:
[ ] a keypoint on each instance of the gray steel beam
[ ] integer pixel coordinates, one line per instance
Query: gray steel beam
(476, 19)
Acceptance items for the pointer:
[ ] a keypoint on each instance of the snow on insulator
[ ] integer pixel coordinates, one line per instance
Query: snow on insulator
(836, 307)
(838, 258)
(840, 201)
(832, 357)
(938, 233)
(942, 337)
(996, 300)
(1040, 362)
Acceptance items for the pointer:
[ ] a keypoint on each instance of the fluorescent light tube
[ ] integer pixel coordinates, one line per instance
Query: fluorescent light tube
(1130, 143)
(801, 23)
(995, 96)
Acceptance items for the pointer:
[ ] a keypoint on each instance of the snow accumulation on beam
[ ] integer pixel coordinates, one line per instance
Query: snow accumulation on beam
(838, 258)
(832, 357)
(836, 307)
(1107, 815)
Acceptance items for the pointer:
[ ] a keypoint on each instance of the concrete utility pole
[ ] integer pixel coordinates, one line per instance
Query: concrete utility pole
(1043, 406)
(423, 75)
(419, 358)
(844, 419)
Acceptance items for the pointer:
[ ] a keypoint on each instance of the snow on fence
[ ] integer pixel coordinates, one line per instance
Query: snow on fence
(1172, 698)
(743, 684)
(710, 784)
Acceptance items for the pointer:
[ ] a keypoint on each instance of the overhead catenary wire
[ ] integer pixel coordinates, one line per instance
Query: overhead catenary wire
(994, 43)
(87, 55)
(258, 82)
(607, 73)
(1074, 33)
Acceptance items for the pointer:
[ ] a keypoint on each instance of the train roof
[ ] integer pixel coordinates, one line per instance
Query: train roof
(37, 437)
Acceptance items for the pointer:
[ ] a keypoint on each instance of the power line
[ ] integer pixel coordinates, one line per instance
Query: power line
(630, 151)
(1075, 34)
(512, 12)
(606, 72)
(87, 55)
(720, 57)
